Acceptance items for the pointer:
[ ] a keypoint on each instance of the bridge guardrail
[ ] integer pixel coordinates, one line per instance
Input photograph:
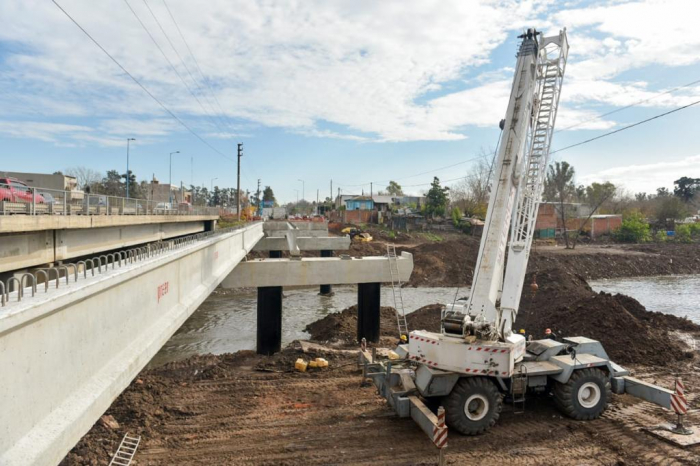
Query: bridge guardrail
(15, 198)
(101, 263)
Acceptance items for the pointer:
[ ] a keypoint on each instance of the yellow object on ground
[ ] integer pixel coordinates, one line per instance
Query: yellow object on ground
(300, 365)
(347, 230)
(393, 355)
(363, 237)
(313, 364)
(320, 362)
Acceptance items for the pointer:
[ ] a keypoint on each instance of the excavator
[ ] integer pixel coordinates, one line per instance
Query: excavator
(477, 360)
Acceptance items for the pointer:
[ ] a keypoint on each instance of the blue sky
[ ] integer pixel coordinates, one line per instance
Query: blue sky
(353, 91)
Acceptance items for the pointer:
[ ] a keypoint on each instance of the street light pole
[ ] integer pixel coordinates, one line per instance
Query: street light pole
(170, 180)
(128, 175)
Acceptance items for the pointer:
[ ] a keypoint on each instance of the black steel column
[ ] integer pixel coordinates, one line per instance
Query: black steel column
(326, 290)
(368, 302)
(275, 254)
(269, 336)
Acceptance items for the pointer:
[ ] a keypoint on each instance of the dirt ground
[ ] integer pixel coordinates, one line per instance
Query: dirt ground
(247, 409)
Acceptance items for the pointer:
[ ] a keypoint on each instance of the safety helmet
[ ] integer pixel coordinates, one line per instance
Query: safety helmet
(522, 331)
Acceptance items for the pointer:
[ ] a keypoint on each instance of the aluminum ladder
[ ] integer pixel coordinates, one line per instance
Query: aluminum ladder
(126, 451)
(396, 283)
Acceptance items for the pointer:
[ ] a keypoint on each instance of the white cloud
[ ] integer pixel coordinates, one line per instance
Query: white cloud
(646, 177)
(369, 67)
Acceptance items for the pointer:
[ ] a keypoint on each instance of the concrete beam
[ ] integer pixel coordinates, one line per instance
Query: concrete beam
(26, 223)
(317, 271)
(37, 248)
(66, 354)
(330, 243)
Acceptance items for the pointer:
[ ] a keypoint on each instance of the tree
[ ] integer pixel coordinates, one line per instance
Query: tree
(662, 192)
(436, 199)
(685, 188)
(559, 187)
(394, 189)
(595, 195)
(111, 184)
(215, 199)
(634, 229)
(472, 193)
(668, 210)
(268, 195)
(84, 176)
(134, 187)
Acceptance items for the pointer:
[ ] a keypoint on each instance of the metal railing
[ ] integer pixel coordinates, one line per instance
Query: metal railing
(19, 199)
(52, 276)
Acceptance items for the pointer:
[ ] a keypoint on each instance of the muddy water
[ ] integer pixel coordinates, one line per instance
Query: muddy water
(226, 321)
(674, 294)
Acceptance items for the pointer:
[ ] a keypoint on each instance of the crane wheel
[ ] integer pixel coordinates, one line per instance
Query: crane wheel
(473, 406)
(585, 396)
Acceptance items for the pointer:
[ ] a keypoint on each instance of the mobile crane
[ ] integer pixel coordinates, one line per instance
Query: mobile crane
(477, 360)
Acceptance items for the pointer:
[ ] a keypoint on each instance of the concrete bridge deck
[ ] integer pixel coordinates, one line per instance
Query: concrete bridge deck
(39, 240)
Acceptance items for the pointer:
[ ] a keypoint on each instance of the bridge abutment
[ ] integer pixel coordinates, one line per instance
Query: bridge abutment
(269, 322)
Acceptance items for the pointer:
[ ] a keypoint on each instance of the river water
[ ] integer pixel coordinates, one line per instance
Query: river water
(671, 294)
(225, 322)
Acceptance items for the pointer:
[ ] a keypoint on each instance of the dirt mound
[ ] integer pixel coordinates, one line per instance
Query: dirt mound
(342, 326)
(629, 333)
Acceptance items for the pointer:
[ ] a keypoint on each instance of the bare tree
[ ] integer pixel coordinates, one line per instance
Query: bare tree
(596, 195)
(84, 176)
(472, 193)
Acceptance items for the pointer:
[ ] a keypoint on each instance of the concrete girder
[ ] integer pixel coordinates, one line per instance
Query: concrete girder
(330, 243)
(317, 271)
(68, 353)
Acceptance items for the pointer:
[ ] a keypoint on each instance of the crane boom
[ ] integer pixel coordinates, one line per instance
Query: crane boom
(518, 182)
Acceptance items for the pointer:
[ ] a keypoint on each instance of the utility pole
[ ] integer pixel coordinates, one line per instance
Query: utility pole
(331, 198)
(128, 175)
(238, 182)
(371, 191)
(259, 200)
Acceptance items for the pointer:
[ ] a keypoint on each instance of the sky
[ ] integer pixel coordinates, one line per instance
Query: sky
(357, 92)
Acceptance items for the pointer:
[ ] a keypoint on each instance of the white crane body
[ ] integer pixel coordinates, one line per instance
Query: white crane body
(476, 360)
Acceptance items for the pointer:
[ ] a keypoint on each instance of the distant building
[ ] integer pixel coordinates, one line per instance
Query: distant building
(549, 223)
(340, 200)
(359, 203)
(383, 203)
(58, 182)
(157, 192)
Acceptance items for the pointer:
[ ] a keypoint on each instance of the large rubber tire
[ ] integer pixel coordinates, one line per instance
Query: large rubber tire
(477, 396)
(585, 396)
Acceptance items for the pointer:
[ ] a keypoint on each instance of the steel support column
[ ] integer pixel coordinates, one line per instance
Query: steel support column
(269, 334)
(326, 290)
(368, 308)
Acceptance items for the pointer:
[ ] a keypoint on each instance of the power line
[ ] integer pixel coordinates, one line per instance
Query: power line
(139, 83)
(199, 68)
(628, 106)
(626, 127)
(176, 52)
(171, 65)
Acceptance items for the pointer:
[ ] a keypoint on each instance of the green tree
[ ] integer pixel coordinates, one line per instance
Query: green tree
(685, 188)
(634, 229)
(112, 185)
(436, 199)
(268, 195)
(456, 216)
(559, 187)
(662, 192)
(668, 210)
(215, 199)
(394, 189)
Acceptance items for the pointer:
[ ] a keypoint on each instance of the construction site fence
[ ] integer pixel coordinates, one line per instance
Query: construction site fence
(22, 200)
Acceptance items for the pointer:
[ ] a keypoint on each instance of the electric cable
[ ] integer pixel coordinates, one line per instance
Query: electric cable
(138, 83)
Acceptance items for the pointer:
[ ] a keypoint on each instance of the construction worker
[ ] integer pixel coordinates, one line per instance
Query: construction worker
(548, 334)
(522, 331)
